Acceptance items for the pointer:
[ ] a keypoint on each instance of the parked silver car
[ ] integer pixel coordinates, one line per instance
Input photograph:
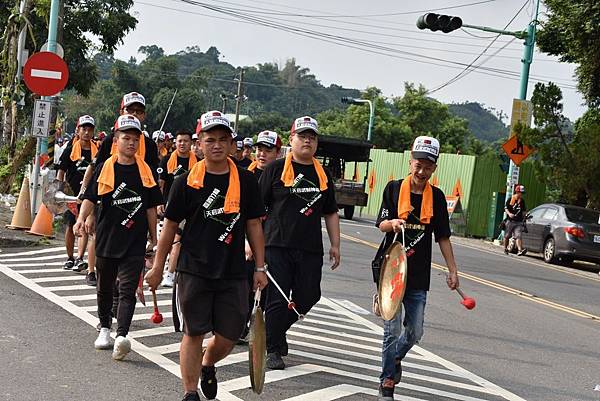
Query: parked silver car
(563, 233)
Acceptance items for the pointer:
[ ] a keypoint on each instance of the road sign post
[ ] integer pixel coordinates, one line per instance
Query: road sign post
(50, 78)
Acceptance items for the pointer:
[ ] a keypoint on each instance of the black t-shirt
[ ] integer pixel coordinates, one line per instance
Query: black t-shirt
(294, 217)
(212, 244)
(151, 156)
(122, 224)
(163, 172)
(74, 170)
(244, 163)
(257, 173)
(417, 235)
(518, 209)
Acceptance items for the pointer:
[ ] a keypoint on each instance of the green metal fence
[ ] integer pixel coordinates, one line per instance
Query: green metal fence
(479, 178)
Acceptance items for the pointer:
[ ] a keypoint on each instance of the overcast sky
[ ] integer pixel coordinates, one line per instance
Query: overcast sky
(175, 25)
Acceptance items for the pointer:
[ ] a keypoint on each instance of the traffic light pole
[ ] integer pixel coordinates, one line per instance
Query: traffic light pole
(525, 67)
(42, 143)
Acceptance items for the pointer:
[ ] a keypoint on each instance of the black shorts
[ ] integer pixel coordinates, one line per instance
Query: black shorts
(69, 218)
(217, 305)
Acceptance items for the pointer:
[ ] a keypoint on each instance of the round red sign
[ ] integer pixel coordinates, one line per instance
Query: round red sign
(45, 74)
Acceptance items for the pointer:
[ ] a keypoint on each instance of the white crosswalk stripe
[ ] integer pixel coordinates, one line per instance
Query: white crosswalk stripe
(334, 340)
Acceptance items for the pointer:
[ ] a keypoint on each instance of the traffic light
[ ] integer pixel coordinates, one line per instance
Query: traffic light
(439, 22)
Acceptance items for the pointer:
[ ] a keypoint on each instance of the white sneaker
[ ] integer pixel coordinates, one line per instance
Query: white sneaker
(103, 340)
(168, 280)
(121, 348)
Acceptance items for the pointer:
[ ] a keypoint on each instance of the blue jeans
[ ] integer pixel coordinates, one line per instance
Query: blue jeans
(397, 343)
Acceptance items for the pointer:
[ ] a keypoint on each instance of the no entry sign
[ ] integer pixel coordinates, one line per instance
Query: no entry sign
(45, 74)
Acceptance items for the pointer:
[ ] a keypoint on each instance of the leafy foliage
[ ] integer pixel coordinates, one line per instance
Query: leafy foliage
(572, 32)
(566, 159)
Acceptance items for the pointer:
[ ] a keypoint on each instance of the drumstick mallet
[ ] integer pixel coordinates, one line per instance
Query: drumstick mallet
(156, 317)
(291, 305)
(466, 301)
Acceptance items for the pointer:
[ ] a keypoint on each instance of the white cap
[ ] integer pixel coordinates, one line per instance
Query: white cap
(426, 147)
(194, 137)
(239, 145)
(83, 120)
(304, 124)
(131, 98)
(248, 142)
(158, 136)
(128, 122)
(213, 119)
(269, 139)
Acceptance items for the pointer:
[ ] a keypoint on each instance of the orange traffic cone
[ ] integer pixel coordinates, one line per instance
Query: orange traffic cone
(21, 219)
(42, 225)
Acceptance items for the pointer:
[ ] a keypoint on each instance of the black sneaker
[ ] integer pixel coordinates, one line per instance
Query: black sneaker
(69, 264)
(80, 265)
(506, 251)
(522, 252)
(398, 374)
(90, 279)
(386, 391)
(208, 382)
(191, 397)
(244, 338)
(283, 351)
(274, 361)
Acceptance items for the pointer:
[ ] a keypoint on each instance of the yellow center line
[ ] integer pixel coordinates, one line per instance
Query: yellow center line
(498, 286)
(531, 262)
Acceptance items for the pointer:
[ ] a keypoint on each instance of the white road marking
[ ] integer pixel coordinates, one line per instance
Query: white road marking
(327, 310)
(62, 278)
(35, 252)
(37, 271)
(351, 306)
(89, 297)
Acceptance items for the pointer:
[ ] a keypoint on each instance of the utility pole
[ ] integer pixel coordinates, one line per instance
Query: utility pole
(52, 34)
(238, 99)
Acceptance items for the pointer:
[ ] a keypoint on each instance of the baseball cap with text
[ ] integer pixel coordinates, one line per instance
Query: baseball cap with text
(86, 120)
(305, 123)
(269, 139)
(128, 122)
(131, 98)
(248, 142)
(426, 147)
(158, 136)
(213, 119)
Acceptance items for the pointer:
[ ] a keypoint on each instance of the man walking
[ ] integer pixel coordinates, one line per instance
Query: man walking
(180, 161)
(221, 205)
(297, 193)
(128, 197)
(72, 166)
(419, 208)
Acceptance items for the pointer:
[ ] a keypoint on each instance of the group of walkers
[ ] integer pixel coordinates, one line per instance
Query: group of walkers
(232, 210)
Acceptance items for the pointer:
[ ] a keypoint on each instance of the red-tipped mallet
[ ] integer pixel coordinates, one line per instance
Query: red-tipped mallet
(156, 317)
(468, 302)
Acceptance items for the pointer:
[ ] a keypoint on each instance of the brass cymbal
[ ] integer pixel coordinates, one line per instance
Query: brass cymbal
(392, 281)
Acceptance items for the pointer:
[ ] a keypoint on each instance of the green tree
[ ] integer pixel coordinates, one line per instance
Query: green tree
(571, 31)
(427, 116)
(565, 159)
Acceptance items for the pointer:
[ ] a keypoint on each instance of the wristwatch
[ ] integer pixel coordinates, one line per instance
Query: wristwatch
(261, 269)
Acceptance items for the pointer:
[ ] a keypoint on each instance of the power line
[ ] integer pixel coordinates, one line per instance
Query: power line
(468, 69)
(340, 40)
(343, 41)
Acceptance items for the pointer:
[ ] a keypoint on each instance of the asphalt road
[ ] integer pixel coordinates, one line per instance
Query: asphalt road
(537, 351)
(532, 334)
